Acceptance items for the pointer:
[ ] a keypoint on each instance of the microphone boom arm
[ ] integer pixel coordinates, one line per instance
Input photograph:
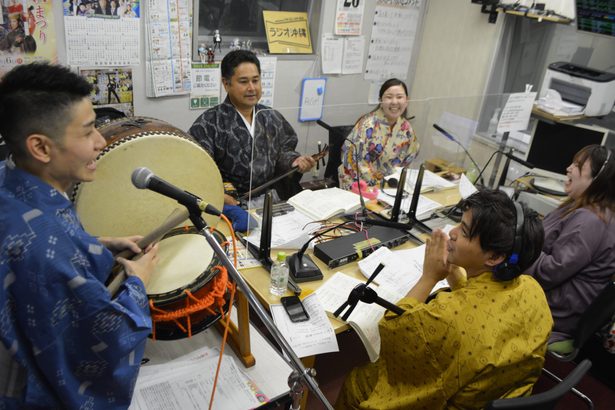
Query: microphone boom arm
(300, 373)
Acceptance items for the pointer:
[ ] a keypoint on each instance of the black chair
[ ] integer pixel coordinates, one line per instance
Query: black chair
(4, 150)
(545, 400)
(597, 315)
(337, 135)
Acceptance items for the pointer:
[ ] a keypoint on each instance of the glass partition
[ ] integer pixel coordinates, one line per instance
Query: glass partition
(459, 117)
(466, 142)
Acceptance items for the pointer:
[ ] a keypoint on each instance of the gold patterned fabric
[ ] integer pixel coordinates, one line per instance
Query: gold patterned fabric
(481, 342)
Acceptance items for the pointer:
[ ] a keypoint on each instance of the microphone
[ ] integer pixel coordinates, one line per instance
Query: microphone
(143, 178)
(357, 176)
(523, 162)
(301, 267)
(450, 137)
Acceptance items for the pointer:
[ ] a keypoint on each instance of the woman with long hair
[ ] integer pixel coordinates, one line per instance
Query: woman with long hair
(578, 257)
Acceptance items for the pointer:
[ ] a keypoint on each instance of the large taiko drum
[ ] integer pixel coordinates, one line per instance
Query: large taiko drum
(128, 127)
(188, 288)
(112, 206)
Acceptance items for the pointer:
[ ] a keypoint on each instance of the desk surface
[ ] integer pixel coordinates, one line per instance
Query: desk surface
(258, 277)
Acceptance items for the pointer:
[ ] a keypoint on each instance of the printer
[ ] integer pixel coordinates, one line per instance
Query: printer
(592, 89)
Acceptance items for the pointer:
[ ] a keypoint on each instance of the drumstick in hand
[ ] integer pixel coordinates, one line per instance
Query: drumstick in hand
(177, 216)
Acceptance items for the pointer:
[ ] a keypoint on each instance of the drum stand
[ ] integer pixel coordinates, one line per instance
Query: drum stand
(300, 376)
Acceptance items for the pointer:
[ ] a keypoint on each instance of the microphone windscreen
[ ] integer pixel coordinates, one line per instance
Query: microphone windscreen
(140, 177)
(443, 132)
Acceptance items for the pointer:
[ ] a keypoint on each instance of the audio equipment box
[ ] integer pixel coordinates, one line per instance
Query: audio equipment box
(340, 251)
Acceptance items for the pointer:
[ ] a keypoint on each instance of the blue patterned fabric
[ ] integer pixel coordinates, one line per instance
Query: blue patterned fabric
(223, 133)
(65, 343)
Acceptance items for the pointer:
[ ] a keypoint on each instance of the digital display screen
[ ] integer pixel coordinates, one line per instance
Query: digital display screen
(596, 16)
(554, 144)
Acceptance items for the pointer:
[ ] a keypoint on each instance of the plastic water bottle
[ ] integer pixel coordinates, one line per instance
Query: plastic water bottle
(279, 275)
(493, 123)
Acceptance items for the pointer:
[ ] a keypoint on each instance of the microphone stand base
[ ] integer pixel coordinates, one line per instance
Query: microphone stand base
(304, 269)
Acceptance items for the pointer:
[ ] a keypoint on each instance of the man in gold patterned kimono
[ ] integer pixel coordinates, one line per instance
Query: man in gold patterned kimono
(484, 340)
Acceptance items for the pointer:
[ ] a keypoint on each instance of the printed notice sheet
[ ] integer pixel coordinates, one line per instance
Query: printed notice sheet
(393, 35)
(268, 67)
(205, 91)
(516, 113)
(353, 55)
(331, 55)
(342, 55)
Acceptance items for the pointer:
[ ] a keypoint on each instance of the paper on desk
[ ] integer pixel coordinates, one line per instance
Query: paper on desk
(188, 384)
(244, 257)
(424, 208)
(399, 275)
(402, 269)
(466, 188)
(311, 337)
(431, 181)
(289, 231)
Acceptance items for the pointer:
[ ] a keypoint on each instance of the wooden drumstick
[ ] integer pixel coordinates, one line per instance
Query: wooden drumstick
(177, 216)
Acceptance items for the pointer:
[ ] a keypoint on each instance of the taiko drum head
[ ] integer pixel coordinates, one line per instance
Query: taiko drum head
(112, 206)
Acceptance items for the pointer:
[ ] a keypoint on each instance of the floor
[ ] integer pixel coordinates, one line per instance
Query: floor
(598, 384)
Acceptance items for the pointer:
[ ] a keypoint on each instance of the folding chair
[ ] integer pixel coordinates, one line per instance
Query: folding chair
(597, 314)
(545, 400)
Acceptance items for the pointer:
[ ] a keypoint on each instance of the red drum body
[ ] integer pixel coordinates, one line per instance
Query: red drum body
(189, 290)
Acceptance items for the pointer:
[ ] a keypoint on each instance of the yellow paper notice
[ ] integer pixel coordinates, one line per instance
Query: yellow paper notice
(287, 32)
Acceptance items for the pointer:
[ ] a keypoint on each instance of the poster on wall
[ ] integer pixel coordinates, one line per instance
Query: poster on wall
(102, 32)
(111, 88)
(27, 33)
(392, 41)
(168, 48)
(205, 91)
(348, 17)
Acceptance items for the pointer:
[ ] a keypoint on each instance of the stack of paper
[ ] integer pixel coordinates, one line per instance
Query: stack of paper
(553, 103)
(186, 383)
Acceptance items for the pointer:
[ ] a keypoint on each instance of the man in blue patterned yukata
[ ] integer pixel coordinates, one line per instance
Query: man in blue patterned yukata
(65, 343)
(230, 131)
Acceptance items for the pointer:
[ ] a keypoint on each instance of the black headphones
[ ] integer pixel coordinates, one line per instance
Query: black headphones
(509, 269)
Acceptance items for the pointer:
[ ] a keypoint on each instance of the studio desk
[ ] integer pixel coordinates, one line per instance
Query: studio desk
(258, 277)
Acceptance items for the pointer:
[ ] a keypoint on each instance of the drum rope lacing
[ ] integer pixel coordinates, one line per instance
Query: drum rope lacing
(212, 302)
